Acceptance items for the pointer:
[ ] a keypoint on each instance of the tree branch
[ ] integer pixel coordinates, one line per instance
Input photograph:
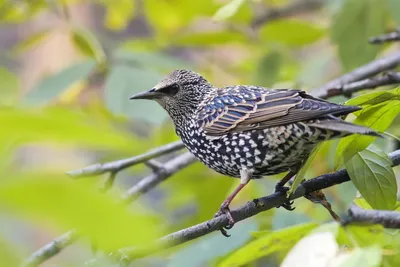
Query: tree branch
(246, 211)
(371, 83)
(51, 249)
(169, 168)
(296, 8)
(115, 166)
(363, 72)
(389, 219)
(385, 38)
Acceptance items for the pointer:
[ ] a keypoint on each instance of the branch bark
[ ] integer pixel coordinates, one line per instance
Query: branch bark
(371, 83)
(385, 38)
(363, 72)
(169, 168)
(389, 219)
(116, 166)
(51, 249)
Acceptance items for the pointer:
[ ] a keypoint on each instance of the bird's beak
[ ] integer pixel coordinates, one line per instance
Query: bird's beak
(151, 94)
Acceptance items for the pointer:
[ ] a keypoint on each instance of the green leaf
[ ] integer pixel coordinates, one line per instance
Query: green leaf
(152, 60)
(267, 72)
(228, 10)
(65, 204)
(378, 117)
(64, 127)
(123, 82)
(51, 87)
(9, 87)
(365, 257)
(168, 17)
(374, 98)
(394, 9)
(209, 38)
(302, 173)
(371, 172)
(269, 243)
(353, 25)
(291, 32)
(87, 44)
(118, 14)
(208, 248)
(364, 235)
(18, 12)
(30, 42)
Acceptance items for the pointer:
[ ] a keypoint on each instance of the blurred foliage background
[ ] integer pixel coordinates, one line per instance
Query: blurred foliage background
(67, 69)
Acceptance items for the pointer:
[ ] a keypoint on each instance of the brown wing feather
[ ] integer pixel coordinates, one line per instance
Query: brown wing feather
(263, 108)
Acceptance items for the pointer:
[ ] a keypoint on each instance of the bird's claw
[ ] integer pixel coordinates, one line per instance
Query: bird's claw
(224, 210)
(288, 204)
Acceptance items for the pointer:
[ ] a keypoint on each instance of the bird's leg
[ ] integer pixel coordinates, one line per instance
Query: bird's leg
(279, 187)
(245, 176)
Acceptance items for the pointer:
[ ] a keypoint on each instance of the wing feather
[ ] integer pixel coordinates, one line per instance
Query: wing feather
(245, 108)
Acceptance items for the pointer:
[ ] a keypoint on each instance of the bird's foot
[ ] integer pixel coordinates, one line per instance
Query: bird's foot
(288, 204)
(224, 210)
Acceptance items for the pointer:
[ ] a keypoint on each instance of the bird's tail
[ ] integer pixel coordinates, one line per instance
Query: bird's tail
(344, 127)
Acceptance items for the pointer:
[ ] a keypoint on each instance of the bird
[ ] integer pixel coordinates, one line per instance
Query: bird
(246, 131)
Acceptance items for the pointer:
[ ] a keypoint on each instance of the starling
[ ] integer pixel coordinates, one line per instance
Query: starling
(246, 131)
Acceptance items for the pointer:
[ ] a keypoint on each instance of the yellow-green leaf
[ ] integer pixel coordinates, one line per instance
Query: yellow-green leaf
(9, 255)
(374, 98)
(64, 127)
(353, 25)
(267, 72)
(365, 257)
(378, 117)
(87, 44)
(65, 204)
(371, 172)
(302, 173)
(9, 87)
(168, 17)
(209, 38)
(20, 11)
(291, 32)
(30, 42)
(269, 243)
(228, 10)
(119, 14)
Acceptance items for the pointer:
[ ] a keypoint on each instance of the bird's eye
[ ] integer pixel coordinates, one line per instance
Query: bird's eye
(170, 90)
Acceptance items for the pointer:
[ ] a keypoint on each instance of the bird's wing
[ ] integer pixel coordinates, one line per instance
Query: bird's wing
(244, 108)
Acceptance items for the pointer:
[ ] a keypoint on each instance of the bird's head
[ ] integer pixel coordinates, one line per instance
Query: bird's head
(179, 93)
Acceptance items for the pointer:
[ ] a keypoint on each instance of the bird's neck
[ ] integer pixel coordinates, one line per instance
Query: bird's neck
(183, 114)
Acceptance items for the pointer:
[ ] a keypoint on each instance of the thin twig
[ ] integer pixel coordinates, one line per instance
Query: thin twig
(51, 249)
(109, 182)
(363, 72)
(385, 38)
(168, 169)
(115, 166)
(371, 83)
(246, 211)
(301, 6)
(389, 219)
